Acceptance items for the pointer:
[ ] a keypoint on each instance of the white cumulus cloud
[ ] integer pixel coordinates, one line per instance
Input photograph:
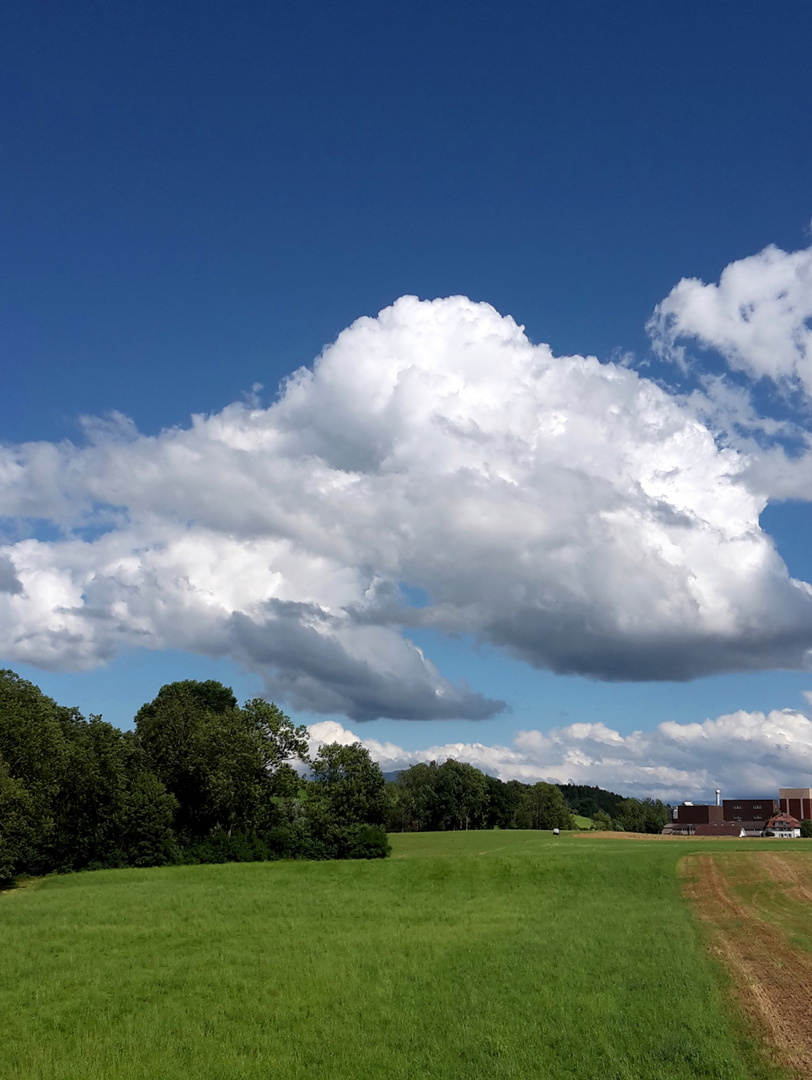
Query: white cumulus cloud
(759, 317)
(568, 511)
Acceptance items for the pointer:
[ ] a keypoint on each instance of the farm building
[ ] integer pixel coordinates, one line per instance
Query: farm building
(784, 827)
(743, 817)
(752, 828)
(724, 828)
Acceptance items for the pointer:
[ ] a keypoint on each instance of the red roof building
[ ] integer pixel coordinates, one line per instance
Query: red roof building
(784, 826)
(723, 828)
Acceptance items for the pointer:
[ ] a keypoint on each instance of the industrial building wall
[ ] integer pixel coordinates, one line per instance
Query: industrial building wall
(698, 814)
(796, 801)
(750, 809)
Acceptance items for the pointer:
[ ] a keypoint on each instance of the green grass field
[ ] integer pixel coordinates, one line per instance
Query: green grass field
(465, 955)
(582, 822)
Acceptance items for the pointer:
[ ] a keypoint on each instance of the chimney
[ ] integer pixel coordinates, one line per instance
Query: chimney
(718, 797)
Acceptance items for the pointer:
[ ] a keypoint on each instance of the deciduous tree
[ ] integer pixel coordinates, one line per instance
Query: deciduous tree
(216, 759)
(543, 807)
(642, 815)
(348, 785)
(462, 795)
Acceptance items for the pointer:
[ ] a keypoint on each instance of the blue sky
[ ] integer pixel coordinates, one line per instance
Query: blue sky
(198, 198)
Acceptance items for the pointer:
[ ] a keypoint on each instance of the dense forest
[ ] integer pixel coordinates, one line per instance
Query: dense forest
(201, 779)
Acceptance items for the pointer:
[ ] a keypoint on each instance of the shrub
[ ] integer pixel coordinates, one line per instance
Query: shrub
(220, 847)
(366, 842)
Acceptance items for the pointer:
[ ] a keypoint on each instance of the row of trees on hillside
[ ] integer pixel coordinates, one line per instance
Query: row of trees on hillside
(199, 780)
(456, 795)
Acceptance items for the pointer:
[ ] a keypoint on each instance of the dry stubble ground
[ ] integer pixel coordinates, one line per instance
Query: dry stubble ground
(756, 907)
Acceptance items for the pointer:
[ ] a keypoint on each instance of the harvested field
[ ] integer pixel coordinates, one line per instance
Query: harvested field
(612, 835)
(756, 907)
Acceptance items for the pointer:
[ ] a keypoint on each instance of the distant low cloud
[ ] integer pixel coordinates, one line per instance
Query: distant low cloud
(570, 512)
(742, 753)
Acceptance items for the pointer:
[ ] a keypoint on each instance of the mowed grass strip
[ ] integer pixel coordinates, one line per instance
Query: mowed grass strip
(465, 955)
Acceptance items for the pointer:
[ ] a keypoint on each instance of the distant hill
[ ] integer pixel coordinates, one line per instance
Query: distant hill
(583, 799)
(587, 800)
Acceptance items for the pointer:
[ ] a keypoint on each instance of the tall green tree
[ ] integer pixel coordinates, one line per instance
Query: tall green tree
(642, 815)
(543, 807)
(280, 741)
(147, 824)
(69, 800)
(36, 751)
(504, 800)
(347, 804)
(20, 825)
(90, 805)
(414, 799)
(175, 732)
(462, 795)
(216, 759)
(348, 785)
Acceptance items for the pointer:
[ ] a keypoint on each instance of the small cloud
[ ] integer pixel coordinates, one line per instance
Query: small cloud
(252, 397)
(758, 317)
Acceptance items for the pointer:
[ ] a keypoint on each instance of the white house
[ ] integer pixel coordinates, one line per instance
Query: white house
(783, 827)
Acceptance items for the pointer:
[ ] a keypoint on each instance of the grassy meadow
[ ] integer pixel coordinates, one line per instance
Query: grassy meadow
(465, 955)
(582, 822)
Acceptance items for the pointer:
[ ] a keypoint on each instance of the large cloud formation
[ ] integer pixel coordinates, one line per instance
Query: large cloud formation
(568, 511)
(743, 753)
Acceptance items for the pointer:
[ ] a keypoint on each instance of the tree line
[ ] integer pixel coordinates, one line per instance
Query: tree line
(455, 795)
(199, 779)
(202, 779)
